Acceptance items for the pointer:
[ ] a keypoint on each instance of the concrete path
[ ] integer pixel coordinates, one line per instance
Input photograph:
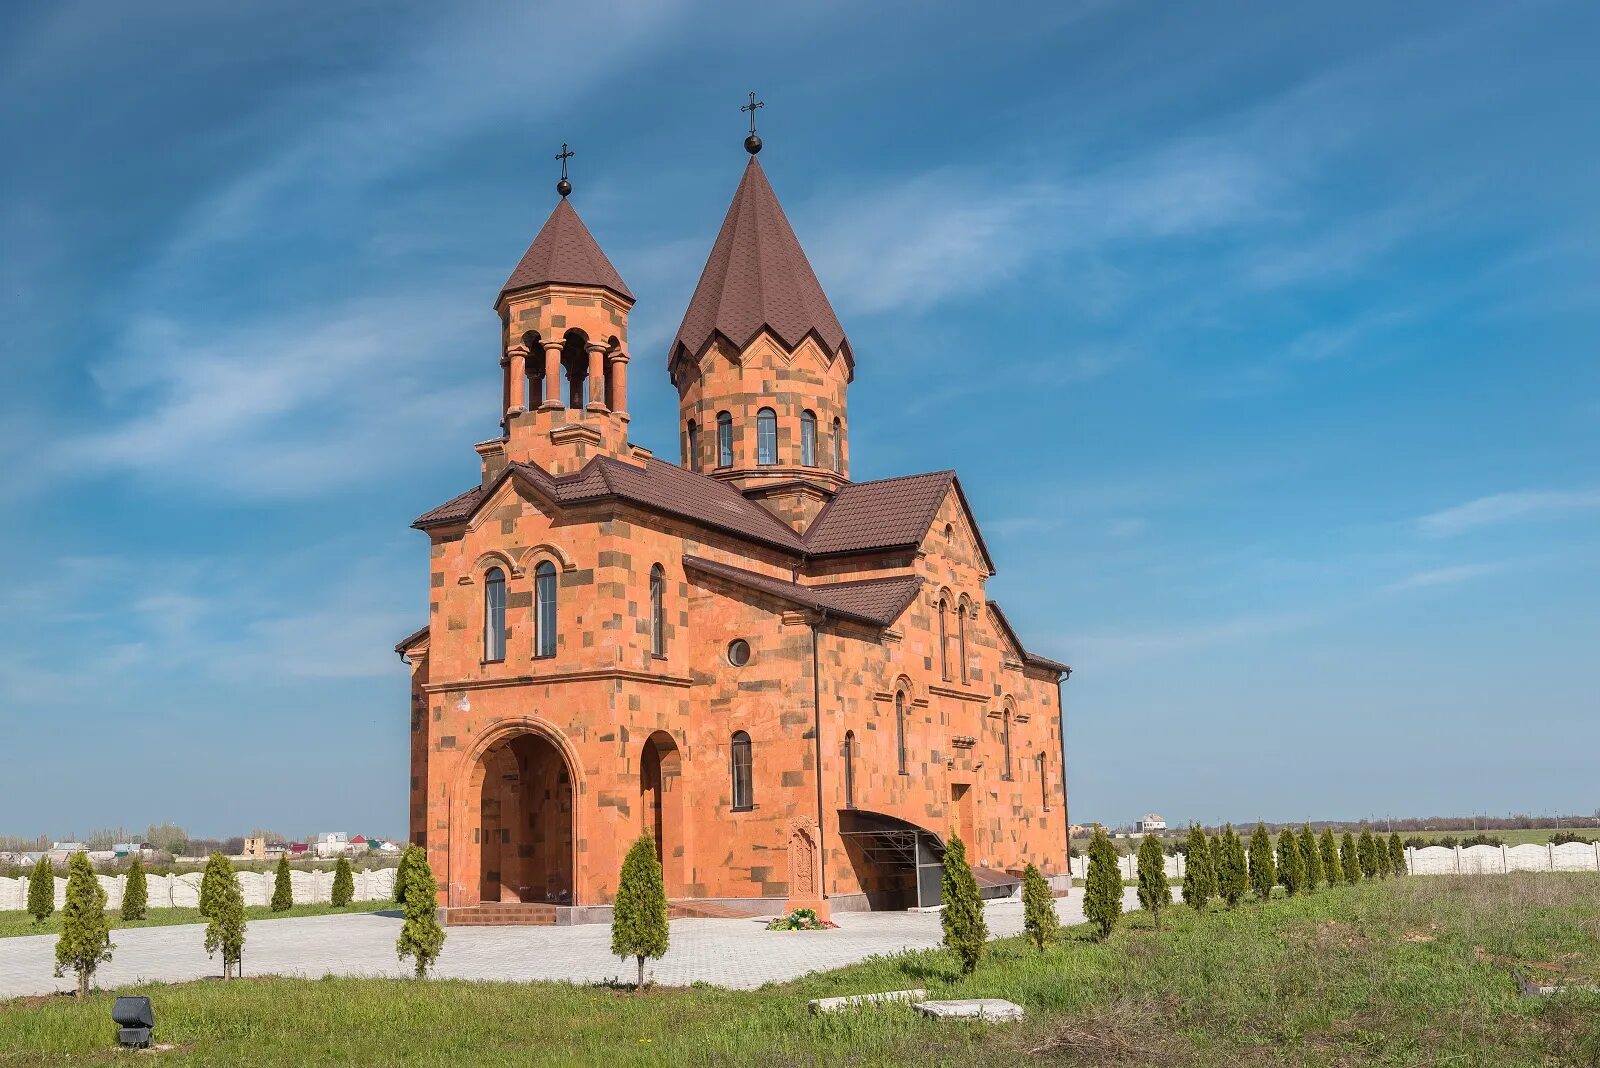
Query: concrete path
(729, 953)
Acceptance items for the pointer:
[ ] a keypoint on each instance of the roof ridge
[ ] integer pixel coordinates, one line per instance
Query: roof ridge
(901, 478)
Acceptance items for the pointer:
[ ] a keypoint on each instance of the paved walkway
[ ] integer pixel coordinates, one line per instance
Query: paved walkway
(730, 953)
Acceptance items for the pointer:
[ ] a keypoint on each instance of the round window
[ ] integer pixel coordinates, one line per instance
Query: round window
(738, 652)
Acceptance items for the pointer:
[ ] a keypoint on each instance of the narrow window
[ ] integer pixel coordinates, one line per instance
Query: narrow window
(544, 602)
(743, 785)
(837, 444)
(724, 439)
(1044, 784)
(766, 436)
(944, 639)
(494, 615)
(849, 769)
(1005, 738)
(961, 638)
(900, 728)
(658, 622)
(808, 439)
(694, 446)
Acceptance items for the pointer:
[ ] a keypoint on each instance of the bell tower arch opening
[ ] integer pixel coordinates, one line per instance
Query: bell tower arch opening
(524, 836)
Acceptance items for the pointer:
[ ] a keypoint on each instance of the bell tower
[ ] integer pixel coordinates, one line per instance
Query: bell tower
(761, 363)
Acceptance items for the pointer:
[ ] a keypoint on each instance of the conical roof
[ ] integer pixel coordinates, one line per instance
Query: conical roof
(757, 276)
(565, 252)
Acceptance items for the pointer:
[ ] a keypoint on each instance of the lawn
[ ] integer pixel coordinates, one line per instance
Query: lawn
(1404, 972)
(15, 924)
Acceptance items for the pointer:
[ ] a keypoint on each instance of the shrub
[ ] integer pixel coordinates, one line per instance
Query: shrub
(1330, 857)
(1367, 855)
(1312, 858)
(965, 929)
(421, 937)
(639, 913)
(344, 884)
(1380, 855)
(1155, 893)
(282, 889)
(1397, 855)
(1102, 896)
(225, 932)
(42, 890)
(797, 920)
(1569, 838)
(85, 941)
(1482, 839)
(1038, 909)
(1232, 877)
(136, 892)
(404, 870)
(1263, 872)
(218, 871)
(1291, 865)
(1216, 846)
(1199, 877)
(1349, 863)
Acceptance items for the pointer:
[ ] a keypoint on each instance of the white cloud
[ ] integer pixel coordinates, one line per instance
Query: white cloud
(1443, 576)
(1498, 508)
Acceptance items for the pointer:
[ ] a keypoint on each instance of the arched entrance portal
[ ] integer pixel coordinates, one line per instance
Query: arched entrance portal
(525, 831)
(661, 796)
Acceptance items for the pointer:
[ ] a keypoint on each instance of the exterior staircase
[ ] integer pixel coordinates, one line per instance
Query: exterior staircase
(704, 910)
(502, 914)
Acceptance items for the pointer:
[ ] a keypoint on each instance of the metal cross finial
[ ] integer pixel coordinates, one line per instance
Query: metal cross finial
(564, 187)
(752, 144)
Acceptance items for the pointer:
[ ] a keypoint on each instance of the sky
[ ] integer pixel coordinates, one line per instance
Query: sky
(1262, 335)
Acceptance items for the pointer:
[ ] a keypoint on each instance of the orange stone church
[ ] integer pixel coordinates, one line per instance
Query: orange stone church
(794, 682)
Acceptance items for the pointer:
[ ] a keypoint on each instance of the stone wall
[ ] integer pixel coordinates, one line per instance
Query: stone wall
(183, 891)
(1435, 860)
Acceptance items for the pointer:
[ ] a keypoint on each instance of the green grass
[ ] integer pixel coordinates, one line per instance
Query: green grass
(1404, 972)
(17, 924)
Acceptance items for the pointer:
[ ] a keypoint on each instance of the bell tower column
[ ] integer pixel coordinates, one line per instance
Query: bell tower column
(516, 378)
(552, 375)
(619, 384)
(597, 378)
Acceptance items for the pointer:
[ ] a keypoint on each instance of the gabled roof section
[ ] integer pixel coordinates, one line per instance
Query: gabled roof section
(877, 602)
(1030, 659)
(565, 252)
(756, 277)
(891, 513)
(410, 640)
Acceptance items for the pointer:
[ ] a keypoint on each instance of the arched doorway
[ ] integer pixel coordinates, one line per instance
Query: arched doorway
(661, 796)
(524, 835)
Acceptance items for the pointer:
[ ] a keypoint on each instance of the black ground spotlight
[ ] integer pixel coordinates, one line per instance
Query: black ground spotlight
(134, 1022)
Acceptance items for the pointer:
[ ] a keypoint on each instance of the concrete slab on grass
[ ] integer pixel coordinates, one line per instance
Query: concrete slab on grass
(994, 1009)
(855, 1001)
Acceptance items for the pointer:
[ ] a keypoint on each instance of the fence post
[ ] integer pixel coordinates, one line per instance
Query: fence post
(1505, 861)
(1458, 859)
(1550, 855)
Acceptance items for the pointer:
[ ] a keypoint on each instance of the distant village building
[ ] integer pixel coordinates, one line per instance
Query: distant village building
(332, 844)
(255, 848)
(61, 852)
(1151, 824)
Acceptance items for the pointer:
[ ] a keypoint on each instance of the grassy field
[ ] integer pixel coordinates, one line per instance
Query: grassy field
(1407, 972)
(15, 924)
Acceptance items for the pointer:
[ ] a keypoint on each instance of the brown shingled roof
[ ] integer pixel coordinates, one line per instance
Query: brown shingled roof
(886, 514)
(565, 251)
(878, 602)
(757, 276)
(1031, 659)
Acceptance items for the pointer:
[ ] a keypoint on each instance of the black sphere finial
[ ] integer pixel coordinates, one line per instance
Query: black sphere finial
(564, 187)
(752, 144)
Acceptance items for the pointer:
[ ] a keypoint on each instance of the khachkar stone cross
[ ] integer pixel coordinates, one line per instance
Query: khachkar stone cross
(564, 187)
(752, 144)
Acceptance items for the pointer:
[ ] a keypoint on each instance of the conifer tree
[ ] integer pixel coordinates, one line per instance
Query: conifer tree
(1216, 846)
(639, 913)
(421, 937)
(1349, 863)
(1330, 857)
(1291, 865)
(1038, 909)
(1263, 872)
(135, 892)
(1367, 855)
(1155, 893)
(85, 941)
(218, 870)
(282, 889)
(1102, 895)
(404, 870)
(225, 932)
(1232, 877)
(1312, 857)
(344, 883)
(1397, 854)
(42, 890)
(1199, 877)
(965, 929)
(1380, 855)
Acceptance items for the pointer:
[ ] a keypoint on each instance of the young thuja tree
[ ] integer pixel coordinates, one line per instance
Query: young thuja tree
(1349, 863)
(1199, 877)
(1380, 855)
(1232, 878)
(1102, 895)
(1367, 855)
(85, 941)
(225, 932)
(1330, 857)
(1154, 892)
(218, 871)
(42, 890)
(421, 937)
(1313, 858)
(639, 913)
(1216, 847)
(1263, 872)
(135, 892)
(1397, 854)
(401, 872)
(344, 884)
(1038, 909)
(1291, 865)
(282, 889)
(965, 929)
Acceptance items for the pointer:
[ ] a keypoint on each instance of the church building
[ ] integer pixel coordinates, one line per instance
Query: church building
(795, 683)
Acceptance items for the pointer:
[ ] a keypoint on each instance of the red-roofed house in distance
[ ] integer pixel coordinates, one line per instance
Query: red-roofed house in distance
(793, 682)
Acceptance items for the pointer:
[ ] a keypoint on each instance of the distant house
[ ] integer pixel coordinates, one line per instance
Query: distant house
(255, 848)
(61, 852)
(298, 849)
(332, 844)
(359, 844)
(386, 846)
(1151, 824)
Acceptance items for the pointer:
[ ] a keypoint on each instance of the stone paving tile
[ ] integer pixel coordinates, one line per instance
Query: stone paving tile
(729, 953)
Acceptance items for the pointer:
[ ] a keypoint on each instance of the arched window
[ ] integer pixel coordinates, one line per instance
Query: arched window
(766, 436)
(961, 638)
(837, 444)
(1005, 739)
(724, 439)
(494, 615)
(693, 443)
(544, 609)
(900, 728)
(849, 769)
(743, 773)
(944, 639)
(658, 618)
(808, 438)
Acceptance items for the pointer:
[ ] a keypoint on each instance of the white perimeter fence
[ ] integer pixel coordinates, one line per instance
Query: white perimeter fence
(1431, 860)
(183, 891)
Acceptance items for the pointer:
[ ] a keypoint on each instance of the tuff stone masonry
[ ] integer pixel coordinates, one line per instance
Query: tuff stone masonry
(794, 682)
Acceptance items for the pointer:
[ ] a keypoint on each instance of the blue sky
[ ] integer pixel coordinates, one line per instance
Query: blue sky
(1263, 337)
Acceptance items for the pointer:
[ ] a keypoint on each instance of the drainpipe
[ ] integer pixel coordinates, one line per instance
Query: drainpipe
(816, 730)
(1066, 815)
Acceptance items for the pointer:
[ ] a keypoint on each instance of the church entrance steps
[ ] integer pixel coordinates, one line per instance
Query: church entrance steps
(502, 914)
(705, 910)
